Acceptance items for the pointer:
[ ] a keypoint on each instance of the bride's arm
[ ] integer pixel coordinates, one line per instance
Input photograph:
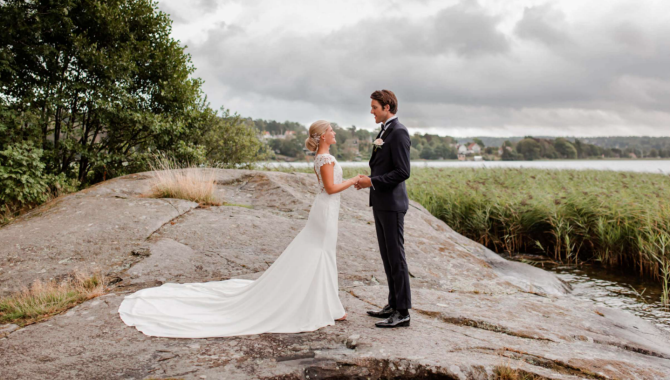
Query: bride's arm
(327, 177)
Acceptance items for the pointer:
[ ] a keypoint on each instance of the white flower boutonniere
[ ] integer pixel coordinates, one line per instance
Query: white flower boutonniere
(378, 144)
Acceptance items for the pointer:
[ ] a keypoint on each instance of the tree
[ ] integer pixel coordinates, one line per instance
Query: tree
(479, 142)
(99, 86)
(414, 153)
(510, 154)
(565, 148)
(427, 152)
(529, 149)
(445, 151)
(229, 140)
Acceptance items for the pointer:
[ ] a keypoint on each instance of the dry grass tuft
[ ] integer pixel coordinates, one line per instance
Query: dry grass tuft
(505, 372)
(189, 183)
(43, 300)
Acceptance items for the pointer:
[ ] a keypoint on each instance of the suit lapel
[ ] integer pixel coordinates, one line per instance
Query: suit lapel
(386, 135)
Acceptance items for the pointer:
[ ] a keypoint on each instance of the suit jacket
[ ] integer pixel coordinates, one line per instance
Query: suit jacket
(390, 168)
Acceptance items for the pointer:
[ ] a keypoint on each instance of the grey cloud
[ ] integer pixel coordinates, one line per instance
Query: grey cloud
(199, 6)
(464, 29)
(467, 29)
(209, 5)
(543, 23)
(453, 69)
(176, 17)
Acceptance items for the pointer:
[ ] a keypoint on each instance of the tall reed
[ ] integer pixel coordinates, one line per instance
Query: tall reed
(619, 219)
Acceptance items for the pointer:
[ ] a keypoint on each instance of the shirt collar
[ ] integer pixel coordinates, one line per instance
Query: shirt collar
(388, 121)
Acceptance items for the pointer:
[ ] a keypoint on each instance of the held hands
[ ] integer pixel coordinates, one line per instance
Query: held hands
(363, 182)
(354, 180)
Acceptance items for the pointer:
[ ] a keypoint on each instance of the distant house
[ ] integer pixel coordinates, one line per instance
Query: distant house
(462, 149)
(474, 148)
(265, 136)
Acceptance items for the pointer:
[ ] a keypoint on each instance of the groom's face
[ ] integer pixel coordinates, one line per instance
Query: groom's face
(381, 113)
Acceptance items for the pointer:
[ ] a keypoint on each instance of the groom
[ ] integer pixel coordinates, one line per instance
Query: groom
(388, 197)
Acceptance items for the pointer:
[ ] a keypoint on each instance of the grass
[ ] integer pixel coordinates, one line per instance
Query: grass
(43, 300)
(505, 372)
(189, 183)
(619, 219)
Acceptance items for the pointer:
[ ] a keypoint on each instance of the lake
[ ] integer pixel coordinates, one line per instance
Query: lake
(640, 165)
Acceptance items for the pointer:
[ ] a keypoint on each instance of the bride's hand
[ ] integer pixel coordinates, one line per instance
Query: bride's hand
(354, 180)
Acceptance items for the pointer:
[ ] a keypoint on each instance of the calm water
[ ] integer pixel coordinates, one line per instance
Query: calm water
(607, 287)
(652, 166)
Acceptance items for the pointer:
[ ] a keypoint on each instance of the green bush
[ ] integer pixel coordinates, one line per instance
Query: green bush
(22, 178)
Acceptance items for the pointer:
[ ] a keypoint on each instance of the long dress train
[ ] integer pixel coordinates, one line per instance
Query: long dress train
(298, 292)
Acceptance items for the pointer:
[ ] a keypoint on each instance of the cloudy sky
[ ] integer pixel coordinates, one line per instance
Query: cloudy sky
(459, 68)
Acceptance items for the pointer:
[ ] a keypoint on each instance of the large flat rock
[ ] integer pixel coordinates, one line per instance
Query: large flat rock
(473, 310)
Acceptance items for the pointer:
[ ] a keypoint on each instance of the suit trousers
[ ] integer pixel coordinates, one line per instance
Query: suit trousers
(390, 229)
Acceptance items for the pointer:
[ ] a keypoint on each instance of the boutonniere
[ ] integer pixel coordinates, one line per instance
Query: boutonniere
(378, 144)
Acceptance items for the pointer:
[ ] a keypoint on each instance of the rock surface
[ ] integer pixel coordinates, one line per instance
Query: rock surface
(473, 311)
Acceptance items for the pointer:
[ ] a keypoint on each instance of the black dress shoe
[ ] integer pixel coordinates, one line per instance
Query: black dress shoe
(383, 313)
(395, 320)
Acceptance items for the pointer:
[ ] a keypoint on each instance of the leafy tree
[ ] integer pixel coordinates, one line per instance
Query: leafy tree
(95, 88)
(529, 149)
(427, 153)
(509, 154)
(229, 140)
(414, 153)
(103, 78)
(565, 148)
(445, 151)
(479, 142)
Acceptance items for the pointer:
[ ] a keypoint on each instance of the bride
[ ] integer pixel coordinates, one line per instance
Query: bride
(298, 292)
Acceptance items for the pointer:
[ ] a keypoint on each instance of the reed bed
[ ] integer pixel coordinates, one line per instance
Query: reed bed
(617, 218)
(45, 299)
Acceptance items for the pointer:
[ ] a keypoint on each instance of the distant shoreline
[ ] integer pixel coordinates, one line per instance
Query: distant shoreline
(624, 165)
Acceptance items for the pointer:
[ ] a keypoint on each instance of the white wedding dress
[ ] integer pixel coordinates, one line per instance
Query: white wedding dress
(298, 292)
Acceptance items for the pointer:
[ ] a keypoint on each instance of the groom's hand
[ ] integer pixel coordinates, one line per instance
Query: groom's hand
(363, 182)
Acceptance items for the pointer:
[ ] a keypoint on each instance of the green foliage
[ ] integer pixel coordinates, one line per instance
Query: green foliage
(565, 148)
(22, 177)
(529, 149)
(229, 140)
(99, 87)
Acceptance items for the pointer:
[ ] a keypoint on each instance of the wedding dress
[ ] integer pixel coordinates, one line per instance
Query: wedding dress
(298, 292)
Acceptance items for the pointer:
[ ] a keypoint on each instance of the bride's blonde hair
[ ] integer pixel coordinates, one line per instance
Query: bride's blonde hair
(316, 130)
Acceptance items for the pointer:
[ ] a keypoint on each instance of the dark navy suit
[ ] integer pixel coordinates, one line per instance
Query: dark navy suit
(390, 168)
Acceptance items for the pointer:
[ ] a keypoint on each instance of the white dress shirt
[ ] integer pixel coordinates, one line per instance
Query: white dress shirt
(385, 124)
(382, 134)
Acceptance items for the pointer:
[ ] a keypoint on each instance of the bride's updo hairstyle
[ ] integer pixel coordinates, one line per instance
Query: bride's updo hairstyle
(316, 130)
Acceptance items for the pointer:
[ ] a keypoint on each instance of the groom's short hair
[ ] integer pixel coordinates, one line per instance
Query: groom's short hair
(385, 97)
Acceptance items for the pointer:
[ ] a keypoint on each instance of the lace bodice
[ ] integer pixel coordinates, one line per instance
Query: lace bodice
(322, 159)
